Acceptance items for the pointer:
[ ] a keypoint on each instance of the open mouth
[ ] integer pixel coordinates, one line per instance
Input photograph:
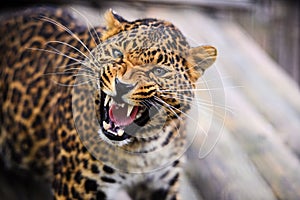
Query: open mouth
(120, 121)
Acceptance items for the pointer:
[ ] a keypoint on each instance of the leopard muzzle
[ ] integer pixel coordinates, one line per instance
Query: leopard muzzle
(120, 120)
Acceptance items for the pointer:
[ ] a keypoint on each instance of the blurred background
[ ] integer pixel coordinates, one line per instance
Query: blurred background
(247, 139)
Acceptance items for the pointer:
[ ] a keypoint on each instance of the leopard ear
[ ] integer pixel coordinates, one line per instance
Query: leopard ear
(114, 24)
(202, 57)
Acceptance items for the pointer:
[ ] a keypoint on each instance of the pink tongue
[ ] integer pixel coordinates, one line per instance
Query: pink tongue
(118, 115)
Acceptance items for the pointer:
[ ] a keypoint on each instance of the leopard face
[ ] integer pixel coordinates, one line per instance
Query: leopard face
(146, 71)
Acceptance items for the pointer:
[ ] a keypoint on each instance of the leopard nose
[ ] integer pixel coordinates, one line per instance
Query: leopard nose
(121, 89)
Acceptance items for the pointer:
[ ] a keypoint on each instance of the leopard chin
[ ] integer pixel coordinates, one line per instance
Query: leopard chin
(120, 122)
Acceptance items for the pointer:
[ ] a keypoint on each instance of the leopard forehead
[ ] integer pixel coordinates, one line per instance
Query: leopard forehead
(139, 37)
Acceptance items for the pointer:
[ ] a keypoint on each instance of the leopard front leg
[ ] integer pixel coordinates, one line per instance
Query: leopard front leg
(79, 186)
(76, 173)
(74, 180)
(85, 188)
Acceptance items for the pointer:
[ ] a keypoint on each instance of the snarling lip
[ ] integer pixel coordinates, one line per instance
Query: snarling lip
(120, 121)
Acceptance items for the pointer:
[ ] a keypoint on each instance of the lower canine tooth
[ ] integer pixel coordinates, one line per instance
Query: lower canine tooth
(106, 126)
(138, 115)
(120, 132)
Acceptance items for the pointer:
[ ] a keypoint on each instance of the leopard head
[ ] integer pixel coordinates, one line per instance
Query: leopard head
(146, 73)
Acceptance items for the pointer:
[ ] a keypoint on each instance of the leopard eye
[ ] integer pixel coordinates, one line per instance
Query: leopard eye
(158, 71)
(117, 53)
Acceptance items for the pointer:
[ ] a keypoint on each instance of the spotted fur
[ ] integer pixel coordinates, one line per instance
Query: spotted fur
(59, 82)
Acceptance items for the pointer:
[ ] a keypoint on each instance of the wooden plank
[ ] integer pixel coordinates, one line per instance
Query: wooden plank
(226, 173)
(263, 65)
(265, 85)
(187, 190)
(275, 162)
(281, 44)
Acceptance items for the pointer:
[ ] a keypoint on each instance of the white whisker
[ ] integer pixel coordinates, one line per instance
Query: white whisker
(47, 19)
(87, 70)
(71, 85)
(71, 46)
(172, 107)
(89, 25)
(191, 89)
(73, 75)
(201, 102)
(69, 65)
(168, 106)
(57, 53)
(202, 79)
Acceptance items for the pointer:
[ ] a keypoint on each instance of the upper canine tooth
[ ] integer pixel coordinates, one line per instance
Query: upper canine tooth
(107, 98)
(130, 107)
(111, 101)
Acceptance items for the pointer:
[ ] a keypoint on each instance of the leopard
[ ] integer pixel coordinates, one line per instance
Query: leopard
(95, 110)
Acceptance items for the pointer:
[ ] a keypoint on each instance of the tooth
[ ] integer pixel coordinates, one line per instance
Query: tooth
(120, 132)
(138, 115)
(107, 98)
(130, 107)
(111, 102)
(106, 126)
(112, 132)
